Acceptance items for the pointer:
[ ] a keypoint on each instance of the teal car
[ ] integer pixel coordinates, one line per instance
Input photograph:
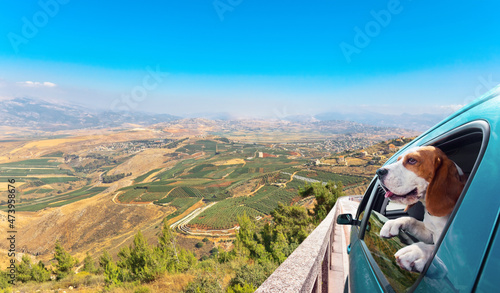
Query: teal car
(467, 254)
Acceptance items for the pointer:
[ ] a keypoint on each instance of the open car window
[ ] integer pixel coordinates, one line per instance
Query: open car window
(465, 146)
(383, 250)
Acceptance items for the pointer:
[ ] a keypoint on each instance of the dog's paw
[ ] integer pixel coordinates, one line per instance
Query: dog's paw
(414, 257)
(391, 228)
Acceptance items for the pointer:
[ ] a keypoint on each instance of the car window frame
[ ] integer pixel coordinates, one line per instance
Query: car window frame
(479, 124)
(448, 136)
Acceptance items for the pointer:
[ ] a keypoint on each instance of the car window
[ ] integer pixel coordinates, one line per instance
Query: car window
(383, 251)
(464, 146)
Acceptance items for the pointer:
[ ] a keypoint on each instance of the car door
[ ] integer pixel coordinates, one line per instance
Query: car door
(372, 263)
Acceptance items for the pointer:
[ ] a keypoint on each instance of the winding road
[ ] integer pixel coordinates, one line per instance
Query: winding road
(304, 178)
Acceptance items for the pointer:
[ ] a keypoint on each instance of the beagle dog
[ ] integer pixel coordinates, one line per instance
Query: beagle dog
(427, 175)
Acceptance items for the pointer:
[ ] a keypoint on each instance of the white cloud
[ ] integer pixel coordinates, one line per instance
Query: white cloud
(49, 84)
(36, 84)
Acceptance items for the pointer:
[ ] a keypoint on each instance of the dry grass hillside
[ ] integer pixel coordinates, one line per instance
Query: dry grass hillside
(143, 162)
(88, 225)
(91, 224)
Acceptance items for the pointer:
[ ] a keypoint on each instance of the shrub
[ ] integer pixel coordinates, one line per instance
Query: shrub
(246, 288)
(204, 283)
(254, 274)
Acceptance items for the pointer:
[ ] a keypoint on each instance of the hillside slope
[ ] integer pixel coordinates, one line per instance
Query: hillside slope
(87, 225)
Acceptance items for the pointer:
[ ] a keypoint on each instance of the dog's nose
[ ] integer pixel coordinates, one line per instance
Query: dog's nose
(382, 172)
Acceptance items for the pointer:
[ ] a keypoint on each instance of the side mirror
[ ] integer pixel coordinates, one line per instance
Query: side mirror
(346, 219)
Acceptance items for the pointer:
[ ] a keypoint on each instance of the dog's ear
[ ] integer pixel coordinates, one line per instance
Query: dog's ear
(445, 187)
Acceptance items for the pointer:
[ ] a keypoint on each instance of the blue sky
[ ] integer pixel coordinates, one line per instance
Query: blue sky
(251, 58)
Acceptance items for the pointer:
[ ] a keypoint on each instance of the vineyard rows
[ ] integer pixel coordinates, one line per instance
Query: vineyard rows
(182, 204)
(225, 214)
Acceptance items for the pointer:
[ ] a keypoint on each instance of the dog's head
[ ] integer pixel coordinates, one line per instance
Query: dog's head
(423, 173)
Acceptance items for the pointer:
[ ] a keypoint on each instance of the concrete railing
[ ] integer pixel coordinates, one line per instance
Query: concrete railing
(307, 268)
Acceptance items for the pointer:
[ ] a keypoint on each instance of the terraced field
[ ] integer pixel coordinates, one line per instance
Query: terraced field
(58, 200)
(37, 169)
(263, 202)
(44, 183)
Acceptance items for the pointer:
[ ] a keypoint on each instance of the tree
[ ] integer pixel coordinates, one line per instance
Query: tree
(141, 260)
(167, 248)
(89, 264)
(145, 263)
(279, 245)
(39, 273)
(186, 261)
(326, 196)
(24, 269)
(294, 221)
(247, 240)
(214, 251)
(111, 271)
(65, 262)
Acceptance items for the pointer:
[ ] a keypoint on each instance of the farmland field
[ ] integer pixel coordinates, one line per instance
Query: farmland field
(233, 177)
(182, 204)
(130, 195)
(57, 200)
(43, 183)
(146, 175)
(238, 177)
(224, 214)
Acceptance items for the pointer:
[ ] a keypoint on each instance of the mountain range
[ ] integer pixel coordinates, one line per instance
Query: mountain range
(36, 114)
(42, 115)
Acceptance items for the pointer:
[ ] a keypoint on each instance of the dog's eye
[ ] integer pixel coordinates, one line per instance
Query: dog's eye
(411, 161)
